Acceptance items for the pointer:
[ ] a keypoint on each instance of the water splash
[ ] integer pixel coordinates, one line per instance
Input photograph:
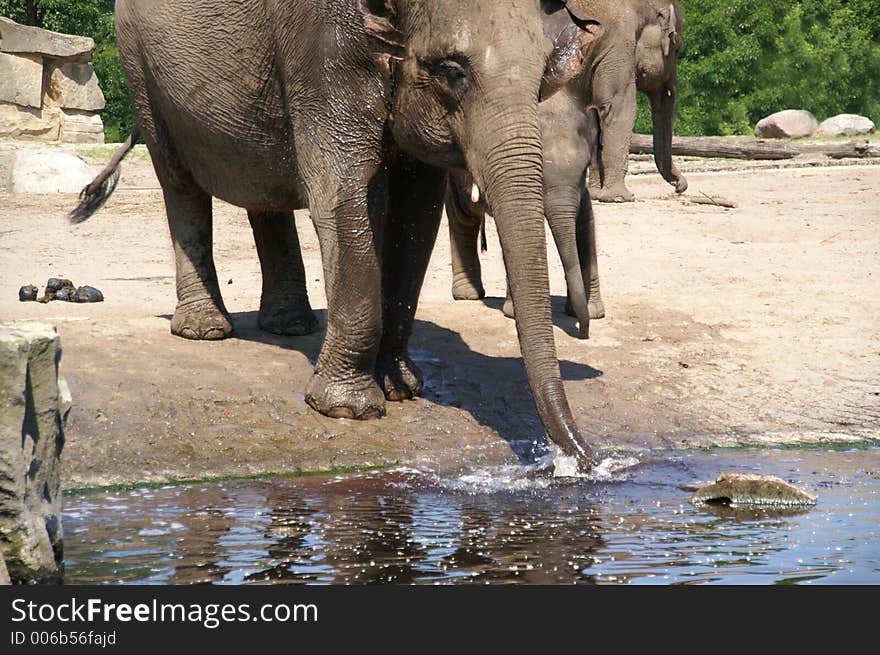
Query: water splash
(606, 470)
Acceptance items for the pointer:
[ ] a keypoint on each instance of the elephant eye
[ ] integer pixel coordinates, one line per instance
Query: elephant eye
(453, 72)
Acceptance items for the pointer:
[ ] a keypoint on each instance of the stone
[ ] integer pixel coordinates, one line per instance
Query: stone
(88, 294)
(48, 171)
(752, 489)
(4, 573)
(81, 127)
(21, 79)
(28, 293)
(18, 122)
(788, 124)
(23, 38)
(846, 125)
(34, 403)
(73, 86)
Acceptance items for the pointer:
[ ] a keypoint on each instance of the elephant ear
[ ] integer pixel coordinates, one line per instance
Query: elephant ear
(386, 41)
(572, 32)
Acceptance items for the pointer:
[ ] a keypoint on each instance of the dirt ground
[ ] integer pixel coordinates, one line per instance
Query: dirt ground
(754, 325)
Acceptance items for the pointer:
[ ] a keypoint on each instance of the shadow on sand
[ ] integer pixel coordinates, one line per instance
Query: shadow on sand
(493, 390)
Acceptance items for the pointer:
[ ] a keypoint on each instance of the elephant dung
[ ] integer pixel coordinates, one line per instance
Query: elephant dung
(751, 489)
(88, 294)
(788, 124)
(27, 293)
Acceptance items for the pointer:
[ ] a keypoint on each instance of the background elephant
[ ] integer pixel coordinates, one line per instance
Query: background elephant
(303, 115)
(572, 142)
(639, 50)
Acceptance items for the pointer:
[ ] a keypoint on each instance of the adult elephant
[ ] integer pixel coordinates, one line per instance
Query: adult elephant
(639, 51)
(276, 105)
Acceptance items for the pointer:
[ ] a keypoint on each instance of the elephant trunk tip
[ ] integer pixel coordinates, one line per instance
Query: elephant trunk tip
(681, 184)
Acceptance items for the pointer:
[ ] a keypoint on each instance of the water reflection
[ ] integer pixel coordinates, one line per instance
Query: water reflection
(410, 527)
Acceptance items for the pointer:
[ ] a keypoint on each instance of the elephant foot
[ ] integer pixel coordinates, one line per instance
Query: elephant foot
(508, 308)
(399, 377)
(466, 290)
(612, 194)
(291, 318)
(595, 308)
(358, 398)
(201, 320)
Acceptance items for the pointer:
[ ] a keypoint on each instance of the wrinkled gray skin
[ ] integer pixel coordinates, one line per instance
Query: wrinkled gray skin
(639, 50)
(572, 139)
(300, 114)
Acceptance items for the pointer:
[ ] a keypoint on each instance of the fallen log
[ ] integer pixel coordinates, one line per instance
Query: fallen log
(717, 146)
(734, 148)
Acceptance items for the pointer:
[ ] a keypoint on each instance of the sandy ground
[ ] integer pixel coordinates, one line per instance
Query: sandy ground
(754, 325)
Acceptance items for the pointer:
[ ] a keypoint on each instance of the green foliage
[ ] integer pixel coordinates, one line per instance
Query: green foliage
(92, 18)
(745, 59)
(742, 60)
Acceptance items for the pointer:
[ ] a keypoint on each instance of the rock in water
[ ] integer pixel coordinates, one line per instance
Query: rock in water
(27, 293)
(846, 125)
(751, 489)
(788, 124)
(88, 294)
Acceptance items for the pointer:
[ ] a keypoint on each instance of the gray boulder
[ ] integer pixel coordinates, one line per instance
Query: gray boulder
(788, 124)
(48, 171)
(846, 125)
(26, 39)
(34, 403)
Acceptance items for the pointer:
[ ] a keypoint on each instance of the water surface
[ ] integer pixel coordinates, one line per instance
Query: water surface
(499, 525)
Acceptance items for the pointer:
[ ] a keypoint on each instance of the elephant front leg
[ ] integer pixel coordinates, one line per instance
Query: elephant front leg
(465, 218)
(415, 209)
(616, 99)
(284, 304)
(348, 216)
(200, 313)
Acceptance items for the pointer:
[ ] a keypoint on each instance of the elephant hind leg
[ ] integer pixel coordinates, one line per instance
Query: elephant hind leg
(587, 255)
(284, 304)
(200, 313)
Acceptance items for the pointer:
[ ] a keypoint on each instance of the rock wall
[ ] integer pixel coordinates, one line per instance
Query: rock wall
(34, 402)
(48, 88)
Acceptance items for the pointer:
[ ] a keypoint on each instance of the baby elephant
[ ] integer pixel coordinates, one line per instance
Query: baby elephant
(572, 137)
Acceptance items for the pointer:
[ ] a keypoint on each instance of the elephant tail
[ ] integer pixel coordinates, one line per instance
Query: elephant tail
(95, 194)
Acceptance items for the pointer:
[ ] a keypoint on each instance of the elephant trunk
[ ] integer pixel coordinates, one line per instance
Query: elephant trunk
(507, 161)
(663, 102)
(561, 205)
